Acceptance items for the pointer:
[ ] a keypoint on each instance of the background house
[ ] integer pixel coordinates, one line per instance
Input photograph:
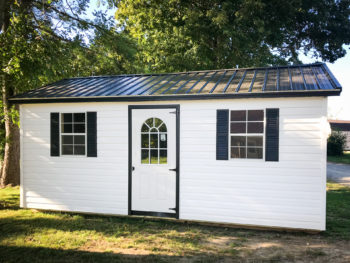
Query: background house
(343, 126)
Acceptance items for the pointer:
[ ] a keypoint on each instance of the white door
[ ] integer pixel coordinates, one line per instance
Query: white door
(153, 183)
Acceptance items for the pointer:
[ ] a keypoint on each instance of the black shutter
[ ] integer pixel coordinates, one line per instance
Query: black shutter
(222, 134)
(55, 134)
(91, 134)
(272, 135)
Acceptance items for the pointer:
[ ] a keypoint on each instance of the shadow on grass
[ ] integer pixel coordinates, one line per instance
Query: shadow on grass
(40, 254)
(114, 227)
(17, 254)
(11, 202)
(183, 241)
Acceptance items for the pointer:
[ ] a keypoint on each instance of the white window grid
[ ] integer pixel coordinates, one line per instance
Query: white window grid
(73, 133)
(246, 135)
(155, 148)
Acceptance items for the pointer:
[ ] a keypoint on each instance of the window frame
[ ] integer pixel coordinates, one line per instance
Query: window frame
(149, 141)
(72, 134)
(246, 135)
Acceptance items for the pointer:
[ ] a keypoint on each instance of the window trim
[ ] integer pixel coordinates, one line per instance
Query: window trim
(62, 133)
(158, 148)
(246, 134)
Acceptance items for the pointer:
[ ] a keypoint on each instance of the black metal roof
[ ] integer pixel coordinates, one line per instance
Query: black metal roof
(301, 80)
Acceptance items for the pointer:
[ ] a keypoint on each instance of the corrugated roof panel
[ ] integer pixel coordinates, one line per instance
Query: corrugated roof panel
(70, 89)
(159, 85)
(245, 86)
(322, 78)
(183, 86)
(235, 81)
(114, 86)
(171, 83)
(131, 86)
(139, 86)
(223, 82)
(241, 81)
(202, 82)
(57, 86)
(279, 80)
(211, 82)
(91, 89)
(285, 83)
(156, 81)
(126, 84)
(103, 89)
(193, 83)
(310, 80)
(219, 79)
(181, 81)
(259, 81)
(271, 83)
(297, 79)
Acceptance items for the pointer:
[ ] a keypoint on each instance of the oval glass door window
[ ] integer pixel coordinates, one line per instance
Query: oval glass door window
(154, 142)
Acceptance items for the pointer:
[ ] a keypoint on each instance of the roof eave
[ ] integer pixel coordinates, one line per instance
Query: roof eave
(333, 79)
(301, 93)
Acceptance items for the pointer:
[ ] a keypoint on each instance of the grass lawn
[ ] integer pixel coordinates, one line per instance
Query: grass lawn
(28, 235)
(340, 159)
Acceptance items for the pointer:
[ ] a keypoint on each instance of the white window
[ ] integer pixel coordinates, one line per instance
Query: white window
(154, 141)
(73, 133)
(247, 134)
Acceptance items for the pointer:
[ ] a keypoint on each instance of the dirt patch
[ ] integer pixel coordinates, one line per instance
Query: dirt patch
(247, 247)
(111, 247)
(297, 249)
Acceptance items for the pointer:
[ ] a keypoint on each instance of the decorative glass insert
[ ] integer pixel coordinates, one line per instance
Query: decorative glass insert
(247, 134)
(73, 133)
(154, 142)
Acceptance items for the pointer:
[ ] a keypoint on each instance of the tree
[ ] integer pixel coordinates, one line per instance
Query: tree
(211, 34)
(336, 143)
(43, 41)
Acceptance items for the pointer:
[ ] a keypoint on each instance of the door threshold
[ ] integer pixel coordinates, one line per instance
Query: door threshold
(151, 213)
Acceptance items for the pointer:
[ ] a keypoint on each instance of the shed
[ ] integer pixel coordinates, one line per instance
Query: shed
(239, 146)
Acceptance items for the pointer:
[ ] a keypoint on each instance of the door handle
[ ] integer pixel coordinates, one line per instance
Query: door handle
(133, 168)
(173, 170)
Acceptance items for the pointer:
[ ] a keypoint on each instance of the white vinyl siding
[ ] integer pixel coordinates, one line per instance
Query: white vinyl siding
(288, 193)
(76, 183)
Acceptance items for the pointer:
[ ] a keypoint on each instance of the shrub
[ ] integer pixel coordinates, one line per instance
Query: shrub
(336, 143)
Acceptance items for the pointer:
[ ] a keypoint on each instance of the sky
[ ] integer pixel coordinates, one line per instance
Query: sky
(338, 106)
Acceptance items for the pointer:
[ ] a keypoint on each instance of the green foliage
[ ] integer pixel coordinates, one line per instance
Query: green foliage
(45, 41)
(181, 35)
(336, 143)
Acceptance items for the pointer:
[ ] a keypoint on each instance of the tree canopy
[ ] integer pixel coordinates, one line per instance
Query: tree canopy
(43, 41)
(210, 34)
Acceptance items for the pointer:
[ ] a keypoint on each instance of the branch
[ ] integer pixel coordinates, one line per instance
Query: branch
(81, 21)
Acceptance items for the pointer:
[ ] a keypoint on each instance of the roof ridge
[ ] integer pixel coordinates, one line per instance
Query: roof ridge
(199, 71)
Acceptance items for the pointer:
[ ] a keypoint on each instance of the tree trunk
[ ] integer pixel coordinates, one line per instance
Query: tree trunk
(10, 172)
(10, 168)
